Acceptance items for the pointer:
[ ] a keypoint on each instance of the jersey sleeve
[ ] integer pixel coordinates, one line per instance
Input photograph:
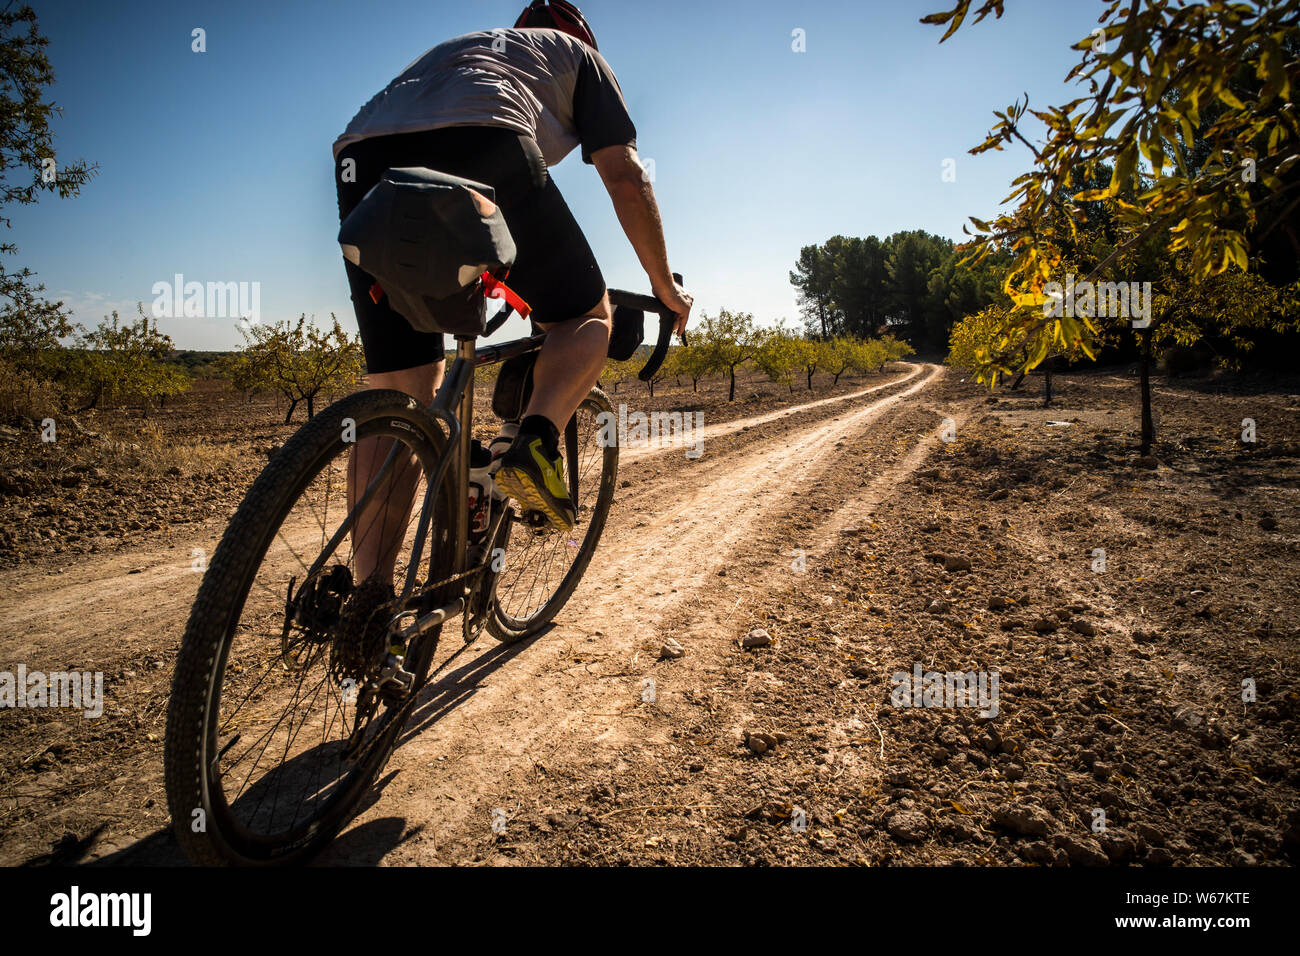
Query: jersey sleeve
(599, 110)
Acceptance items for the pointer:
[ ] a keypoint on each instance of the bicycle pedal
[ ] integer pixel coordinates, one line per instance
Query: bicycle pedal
(394, 682)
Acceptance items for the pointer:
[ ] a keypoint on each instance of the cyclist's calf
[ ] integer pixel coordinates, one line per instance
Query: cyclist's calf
(570, 363)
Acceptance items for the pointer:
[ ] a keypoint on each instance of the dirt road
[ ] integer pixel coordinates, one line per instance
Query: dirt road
(687, 545)
(865, 543)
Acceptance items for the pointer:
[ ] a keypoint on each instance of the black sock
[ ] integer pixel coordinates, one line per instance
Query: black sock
(542, 427)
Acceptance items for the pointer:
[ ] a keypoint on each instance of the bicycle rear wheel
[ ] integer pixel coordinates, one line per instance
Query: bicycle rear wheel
(541, 567)
(268, 750)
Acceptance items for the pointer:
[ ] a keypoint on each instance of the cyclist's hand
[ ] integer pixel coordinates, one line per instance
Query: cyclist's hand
(679, 300)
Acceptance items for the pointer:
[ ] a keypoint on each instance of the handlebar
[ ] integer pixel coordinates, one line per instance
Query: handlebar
(667, 319)
(632, 300)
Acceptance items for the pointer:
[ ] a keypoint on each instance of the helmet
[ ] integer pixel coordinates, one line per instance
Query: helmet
(557, 15)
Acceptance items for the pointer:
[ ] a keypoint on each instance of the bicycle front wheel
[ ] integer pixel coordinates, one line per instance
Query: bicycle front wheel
(539, 567)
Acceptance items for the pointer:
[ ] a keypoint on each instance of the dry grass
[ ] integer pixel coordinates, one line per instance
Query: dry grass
(153, 453)
(23, 395)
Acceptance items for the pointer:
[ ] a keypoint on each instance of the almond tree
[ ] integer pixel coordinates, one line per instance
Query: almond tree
(838, 357)
(669, 368)
(617, 372)
(778, 356)
(731, 339)
(1190, 107)
(301, 361)
(695, 363)
(118, 360)
(809, 356)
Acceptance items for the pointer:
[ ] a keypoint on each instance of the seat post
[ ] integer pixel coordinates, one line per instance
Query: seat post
(465, 347)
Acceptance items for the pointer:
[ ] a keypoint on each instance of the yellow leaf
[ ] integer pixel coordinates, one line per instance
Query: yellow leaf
(1230, 98)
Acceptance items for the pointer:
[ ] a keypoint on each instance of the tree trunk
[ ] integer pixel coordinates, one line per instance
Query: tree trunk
(810, 375)
(311, 406)
(695, 385)
(1047, 383)
(651, 383)
(288, 417)
(1019, 378)
(731, 394)
(1148, 426)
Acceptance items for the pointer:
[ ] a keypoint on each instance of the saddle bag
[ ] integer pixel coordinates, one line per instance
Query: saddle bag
(427, 238)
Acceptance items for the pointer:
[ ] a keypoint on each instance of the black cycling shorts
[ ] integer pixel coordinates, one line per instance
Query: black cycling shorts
(555, 271)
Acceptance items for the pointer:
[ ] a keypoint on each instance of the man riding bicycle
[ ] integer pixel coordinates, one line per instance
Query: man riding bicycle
(500, 107)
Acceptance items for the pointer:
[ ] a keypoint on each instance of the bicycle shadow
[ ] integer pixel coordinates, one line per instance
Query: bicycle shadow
(441, 695)
(450, 685)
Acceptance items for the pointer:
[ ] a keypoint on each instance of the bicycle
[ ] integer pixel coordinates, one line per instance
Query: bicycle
(311, 646)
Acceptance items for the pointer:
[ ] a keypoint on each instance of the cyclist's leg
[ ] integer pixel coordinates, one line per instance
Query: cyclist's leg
(557, 274)
(381, 527)
(397, 357)
(569, 363)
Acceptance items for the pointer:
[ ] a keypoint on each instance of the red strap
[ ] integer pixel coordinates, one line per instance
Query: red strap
(494, 288)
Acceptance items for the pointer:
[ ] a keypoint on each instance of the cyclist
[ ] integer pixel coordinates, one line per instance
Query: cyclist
(500, 107)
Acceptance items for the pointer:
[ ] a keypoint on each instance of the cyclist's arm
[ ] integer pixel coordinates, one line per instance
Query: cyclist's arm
(634, 202)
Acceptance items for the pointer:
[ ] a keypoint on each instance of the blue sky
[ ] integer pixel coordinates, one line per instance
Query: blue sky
(216, 165)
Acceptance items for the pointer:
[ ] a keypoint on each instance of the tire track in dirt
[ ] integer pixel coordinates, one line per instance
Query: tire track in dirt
(148, 591)
(714, 432)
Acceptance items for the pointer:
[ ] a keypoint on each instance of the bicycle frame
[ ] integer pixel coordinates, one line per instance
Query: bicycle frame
(453, 405)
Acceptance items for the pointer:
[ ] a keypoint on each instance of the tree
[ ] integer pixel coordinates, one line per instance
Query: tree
(31, 327)
(169, 380)
(668, 369)
(809, 356)
(616, 372)
(868, 355)
(973, 337)
(812, 278)
(894, 350)
(1156, 72)
(860, 287)
(913, 257)
(123, 360)
(731, 339)
(301, 361)
(778, 357)
(838, 358)
(240, 372)
(695, 363)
